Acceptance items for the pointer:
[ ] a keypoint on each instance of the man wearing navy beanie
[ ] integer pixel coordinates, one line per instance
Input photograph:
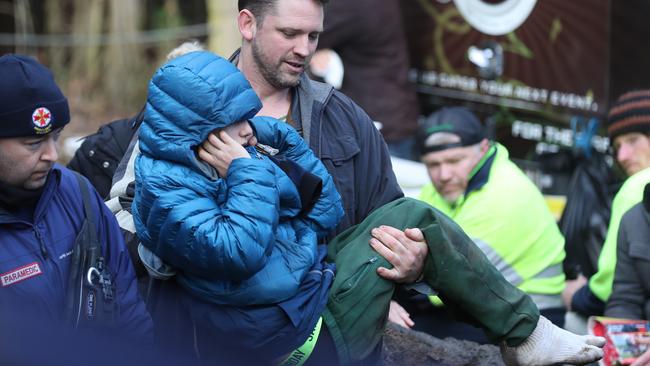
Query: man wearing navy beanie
(32, 112)
(48, 215)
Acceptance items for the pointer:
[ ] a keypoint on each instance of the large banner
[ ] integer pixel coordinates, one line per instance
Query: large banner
(532, 55)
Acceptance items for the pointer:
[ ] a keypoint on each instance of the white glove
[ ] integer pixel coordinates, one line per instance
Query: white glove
(549, 344)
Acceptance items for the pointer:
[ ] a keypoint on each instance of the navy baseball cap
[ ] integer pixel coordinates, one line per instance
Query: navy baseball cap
(455, 120)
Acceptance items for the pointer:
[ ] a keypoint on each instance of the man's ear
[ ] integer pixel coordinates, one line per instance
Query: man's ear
(247, 24)
(485, 146)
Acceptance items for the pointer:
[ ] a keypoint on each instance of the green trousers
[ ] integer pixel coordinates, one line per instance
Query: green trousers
(357, 309)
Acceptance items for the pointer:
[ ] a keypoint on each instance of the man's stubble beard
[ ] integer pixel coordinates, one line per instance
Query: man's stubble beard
(271, 73)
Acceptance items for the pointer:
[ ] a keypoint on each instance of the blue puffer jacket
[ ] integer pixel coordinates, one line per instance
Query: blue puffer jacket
(236, 240)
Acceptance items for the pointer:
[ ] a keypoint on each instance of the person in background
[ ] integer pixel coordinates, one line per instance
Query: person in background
(498, 206)
(45, 211)
(369, 38)
(630, 298)
(100, 153)
(629, 132)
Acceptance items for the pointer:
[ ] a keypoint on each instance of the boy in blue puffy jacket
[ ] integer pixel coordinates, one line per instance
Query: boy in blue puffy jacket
(236, 226)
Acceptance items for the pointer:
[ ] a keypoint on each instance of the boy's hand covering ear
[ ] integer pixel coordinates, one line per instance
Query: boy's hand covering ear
(220, 151)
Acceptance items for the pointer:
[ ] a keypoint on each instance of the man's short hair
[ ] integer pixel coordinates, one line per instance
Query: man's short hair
(441, 138)
(260, 8)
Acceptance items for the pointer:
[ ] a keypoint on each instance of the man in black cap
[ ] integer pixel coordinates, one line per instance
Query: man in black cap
(48, 214)
(494, 202)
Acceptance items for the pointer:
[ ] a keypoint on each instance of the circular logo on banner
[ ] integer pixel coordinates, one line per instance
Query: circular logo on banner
(495, 18)
(42, 118)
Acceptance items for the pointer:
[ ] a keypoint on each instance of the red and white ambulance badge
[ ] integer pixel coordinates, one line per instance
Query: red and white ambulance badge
(42, 119)
(20, 274)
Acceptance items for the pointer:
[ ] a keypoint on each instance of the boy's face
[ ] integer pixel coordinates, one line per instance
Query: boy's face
(242, 132)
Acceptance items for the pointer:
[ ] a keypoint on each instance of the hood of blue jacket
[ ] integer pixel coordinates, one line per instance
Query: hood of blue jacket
(189, 97)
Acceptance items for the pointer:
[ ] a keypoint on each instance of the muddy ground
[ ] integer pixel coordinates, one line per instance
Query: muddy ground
(404, 347)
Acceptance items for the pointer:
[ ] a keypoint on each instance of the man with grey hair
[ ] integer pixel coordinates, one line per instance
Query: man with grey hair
(475, 184)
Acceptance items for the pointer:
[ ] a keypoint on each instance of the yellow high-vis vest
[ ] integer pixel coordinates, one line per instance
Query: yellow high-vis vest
(510, 221)
(630, 193)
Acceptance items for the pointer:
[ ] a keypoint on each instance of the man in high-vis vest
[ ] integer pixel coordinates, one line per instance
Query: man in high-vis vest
(629, 133)
(499, 207)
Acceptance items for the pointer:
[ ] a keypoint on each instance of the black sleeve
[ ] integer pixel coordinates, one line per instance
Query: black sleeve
(309, 185)
(586, 303)
(100, 153)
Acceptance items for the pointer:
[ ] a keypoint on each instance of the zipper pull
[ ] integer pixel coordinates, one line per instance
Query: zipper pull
(41, 243)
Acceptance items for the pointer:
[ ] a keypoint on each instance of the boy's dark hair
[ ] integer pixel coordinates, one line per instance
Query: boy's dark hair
(260, 8)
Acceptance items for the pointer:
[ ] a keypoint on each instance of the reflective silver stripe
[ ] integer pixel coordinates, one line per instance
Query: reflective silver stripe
(541, 300)
(550, 272)
(547, 301)
(508, 271)
(505, 268)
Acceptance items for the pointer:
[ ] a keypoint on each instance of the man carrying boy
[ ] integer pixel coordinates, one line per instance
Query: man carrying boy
(278, 39)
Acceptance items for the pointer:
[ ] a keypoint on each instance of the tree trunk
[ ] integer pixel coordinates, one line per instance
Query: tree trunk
(170, 17)
(24, 25)
(224, 35)
(54, 20)
(88, 21)
(124, 61)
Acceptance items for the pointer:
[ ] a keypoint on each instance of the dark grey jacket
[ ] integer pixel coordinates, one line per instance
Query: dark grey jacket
(631, 294)
(343, 136)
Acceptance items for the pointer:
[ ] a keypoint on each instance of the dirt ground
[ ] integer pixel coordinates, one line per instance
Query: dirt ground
(405, 347)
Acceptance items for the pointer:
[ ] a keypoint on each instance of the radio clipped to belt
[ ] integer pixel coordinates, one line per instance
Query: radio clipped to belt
(90, 296)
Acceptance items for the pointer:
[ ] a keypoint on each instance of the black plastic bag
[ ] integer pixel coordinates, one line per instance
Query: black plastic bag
(586, 215)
